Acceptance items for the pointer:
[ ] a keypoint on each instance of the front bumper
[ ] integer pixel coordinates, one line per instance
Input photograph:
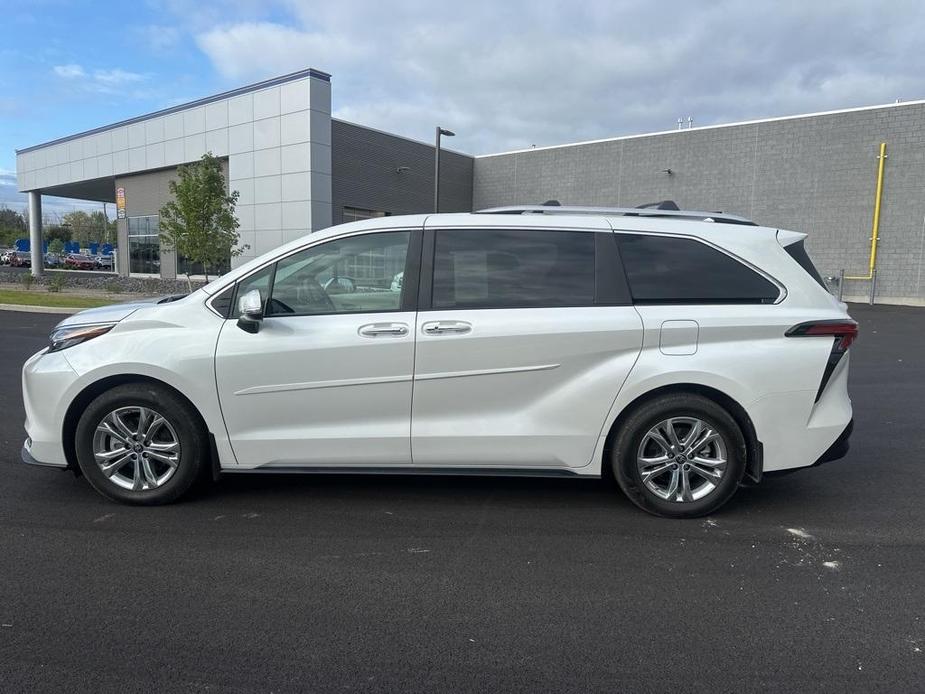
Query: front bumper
(46, 380)
(26, 455)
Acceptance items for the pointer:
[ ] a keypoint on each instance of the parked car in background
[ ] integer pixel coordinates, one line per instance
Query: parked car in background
(684, 352)
(20, 259)
(5, 256)
(103, 262)
(78, 261)
(52, 260)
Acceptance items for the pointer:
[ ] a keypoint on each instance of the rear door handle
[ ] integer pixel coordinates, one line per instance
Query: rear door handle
(446, 327)
(383, 330)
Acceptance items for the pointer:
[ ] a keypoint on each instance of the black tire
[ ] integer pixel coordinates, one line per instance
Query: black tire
(648, 415)
(186, 425)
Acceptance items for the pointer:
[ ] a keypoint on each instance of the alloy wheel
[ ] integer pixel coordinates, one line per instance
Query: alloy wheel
(682, 459)
(136, 448)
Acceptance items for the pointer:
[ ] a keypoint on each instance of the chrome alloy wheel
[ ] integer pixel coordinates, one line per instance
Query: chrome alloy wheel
(136, 448)
(681, 459)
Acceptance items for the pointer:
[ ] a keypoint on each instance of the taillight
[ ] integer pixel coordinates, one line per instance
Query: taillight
(845, 331)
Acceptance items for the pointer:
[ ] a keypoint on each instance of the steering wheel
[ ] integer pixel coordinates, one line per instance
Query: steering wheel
(311, 293)
(341, 285)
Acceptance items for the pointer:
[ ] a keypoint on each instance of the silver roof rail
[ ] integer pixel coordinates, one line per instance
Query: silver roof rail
(719, 217)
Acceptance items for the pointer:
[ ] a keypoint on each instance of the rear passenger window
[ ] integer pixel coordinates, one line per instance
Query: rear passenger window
(665, 269)
(513, 269)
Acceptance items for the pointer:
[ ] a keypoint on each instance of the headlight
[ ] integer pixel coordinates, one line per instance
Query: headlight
(74, 335)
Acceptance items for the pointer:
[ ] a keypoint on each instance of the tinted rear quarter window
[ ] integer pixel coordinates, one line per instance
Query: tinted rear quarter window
(513, 269)
(666, 269)
(797, 251)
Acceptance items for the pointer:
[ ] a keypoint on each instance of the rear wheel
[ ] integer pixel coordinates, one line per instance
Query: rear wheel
(140, 443)
(680, 455)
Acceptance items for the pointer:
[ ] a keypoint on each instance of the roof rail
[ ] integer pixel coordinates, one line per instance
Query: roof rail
(719, 217)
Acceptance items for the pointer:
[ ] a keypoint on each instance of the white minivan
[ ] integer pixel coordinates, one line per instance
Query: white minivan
(685, 352)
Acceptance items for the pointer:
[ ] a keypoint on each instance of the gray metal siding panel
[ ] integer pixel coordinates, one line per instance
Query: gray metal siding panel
(364, 165)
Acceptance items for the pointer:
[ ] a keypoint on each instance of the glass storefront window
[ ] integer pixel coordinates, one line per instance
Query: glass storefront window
(144, 245)
(185, 267)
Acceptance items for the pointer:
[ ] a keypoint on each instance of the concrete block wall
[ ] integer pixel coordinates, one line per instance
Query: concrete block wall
(815, 174)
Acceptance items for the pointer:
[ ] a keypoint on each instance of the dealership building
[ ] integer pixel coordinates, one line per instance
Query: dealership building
(297, 170)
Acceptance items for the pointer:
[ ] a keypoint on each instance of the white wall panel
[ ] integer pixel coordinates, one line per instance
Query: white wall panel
(266, 133)
(217, 142)
(295, 158)
(217, 115)
(194, 121)
(241, 138)
(194, 146)
(173, 126)
(297, 215)
(136, 135)
(267, 189)
(267, 162)
(294, 96)
(154, 155)
(266, 103)
(173, 152)
(296, 186)
(137, 159)
(154, 130)
(267, 216)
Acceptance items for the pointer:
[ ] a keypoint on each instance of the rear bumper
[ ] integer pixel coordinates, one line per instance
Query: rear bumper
(838, 449)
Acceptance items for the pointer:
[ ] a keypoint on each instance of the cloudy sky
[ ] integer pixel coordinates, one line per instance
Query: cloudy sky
(503, 74)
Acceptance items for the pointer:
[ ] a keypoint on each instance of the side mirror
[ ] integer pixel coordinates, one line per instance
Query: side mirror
(250, 310)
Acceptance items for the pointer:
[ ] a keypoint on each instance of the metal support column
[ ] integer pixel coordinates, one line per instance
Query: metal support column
(35, 233)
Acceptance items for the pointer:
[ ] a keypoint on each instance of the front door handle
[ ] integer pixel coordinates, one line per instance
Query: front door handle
(446, 327)
(383, 330)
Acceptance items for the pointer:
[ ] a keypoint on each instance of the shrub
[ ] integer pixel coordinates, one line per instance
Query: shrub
(112, 286)
(27, 280)
(55, 284)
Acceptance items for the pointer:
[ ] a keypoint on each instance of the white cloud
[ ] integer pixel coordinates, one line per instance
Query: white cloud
(70, 71)
(160, 38)
(257, 49)
(116, 76)
(511, 74)
(105, 81)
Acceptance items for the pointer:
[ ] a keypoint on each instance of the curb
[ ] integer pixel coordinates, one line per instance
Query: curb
(40, 309)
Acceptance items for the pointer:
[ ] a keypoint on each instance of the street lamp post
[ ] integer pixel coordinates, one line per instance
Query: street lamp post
(440, 132)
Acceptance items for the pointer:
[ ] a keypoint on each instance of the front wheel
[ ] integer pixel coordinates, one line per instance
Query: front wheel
(139, 443)
(680, 455)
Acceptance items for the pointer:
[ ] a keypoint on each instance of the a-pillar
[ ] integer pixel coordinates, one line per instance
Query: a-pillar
(36, 242)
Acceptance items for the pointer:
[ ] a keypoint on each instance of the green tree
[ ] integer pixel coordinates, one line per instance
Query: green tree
(56, 246)
(104, 229)
(13, 226)
(56, 232)
(80, 225)
(12, 220)
(199, 223)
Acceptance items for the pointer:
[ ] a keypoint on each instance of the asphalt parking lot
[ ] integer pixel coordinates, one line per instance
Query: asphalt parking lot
(285, 583)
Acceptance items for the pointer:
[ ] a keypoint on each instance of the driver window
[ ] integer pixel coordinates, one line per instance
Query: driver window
(359, 274)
